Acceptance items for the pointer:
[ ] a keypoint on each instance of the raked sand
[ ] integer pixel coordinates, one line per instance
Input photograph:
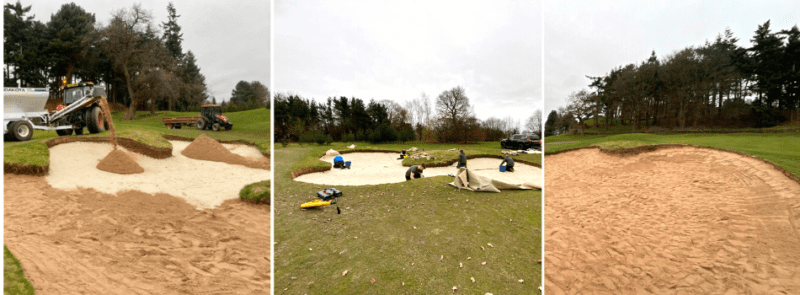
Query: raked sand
(380, 168)
(678, 220)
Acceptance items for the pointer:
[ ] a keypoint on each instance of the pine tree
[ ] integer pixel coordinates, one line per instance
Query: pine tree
(172, 33)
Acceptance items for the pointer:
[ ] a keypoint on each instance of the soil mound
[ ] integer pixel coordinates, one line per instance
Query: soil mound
(208, 149)
(119, 162)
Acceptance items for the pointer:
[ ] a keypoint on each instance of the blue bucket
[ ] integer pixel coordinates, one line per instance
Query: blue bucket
(347, 164)
(502, 168)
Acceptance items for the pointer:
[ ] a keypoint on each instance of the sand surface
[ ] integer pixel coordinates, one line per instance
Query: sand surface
(674, 221)
(204, 184)
(86, 242)
(379, 168)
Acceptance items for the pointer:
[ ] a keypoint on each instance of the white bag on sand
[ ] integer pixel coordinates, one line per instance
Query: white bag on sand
(331, 152)
(413, 149)
(352, 146)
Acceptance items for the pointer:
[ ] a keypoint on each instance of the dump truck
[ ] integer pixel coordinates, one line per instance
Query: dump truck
(210, 118)
(24, 111)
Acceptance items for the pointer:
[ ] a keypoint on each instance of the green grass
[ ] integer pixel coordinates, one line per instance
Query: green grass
(14, 281)
(397, 233)
(256, 193)
(782, 149)
(251, 126)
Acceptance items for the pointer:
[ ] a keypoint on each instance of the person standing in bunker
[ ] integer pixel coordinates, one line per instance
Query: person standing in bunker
(462, 160)
(509, 163)
(414, 172)
(338, 162)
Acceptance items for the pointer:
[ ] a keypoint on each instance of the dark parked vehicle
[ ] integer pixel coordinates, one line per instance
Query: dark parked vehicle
(522, 142)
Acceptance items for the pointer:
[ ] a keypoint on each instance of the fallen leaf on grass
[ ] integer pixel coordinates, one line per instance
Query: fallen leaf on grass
(344, 273)
(441, 258)
(469, 258)
(490, 245)
(472, 279)
(521, 281)
(483, 263)
(372, 281)
(482, 248)
(455, 289)
(460, 265)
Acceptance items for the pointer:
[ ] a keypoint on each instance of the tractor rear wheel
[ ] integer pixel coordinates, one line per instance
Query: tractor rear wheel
(215, 127)
(201, 123)
(95, 121)
(21, 130)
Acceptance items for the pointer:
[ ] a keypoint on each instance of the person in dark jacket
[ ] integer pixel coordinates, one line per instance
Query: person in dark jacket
(462, 160)
(509, 163)
(414, 172)
(338, 162)
(403, 154)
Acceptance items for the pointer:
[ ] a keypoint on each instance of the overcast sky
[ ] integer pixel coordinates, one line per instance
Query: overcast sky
(230, 40)
(592, 37)
(398, 49)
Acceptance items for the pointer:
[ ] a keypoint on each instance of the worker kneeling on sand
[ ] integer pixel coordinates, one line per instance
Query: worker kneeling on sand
(414, 172)
(403, 154)
(338, 162)
(462, 160)
(509, 163)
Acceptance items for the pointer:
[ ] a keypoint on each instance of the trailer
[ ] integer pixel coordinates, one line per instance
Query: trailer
(177, 122)
(210, 118)
(24, 111)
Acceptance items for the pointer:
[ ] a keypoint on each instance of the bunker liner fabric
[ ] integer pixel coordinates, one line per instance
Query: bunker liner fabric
(466, 179)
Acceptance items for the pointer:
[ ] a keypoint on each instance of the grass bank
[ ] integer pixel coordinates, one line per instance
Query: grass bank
(782, 149)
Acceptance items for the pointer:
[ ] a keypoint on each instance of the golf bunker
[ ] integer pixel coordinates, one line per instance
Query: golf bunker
(202, 183)
(382, 168)
(81, 230)
(672, 220)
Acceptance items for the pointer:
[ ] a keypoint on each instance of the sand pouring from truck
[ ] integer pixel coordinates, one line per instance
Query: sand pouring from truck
(24, 111)
(210, 118)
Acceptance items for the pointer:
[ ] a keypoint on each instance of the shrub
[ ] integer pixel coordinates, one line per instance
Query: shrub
(307, 137)
(348, 137)
(328, 139)
(285, 141)
(320, 138)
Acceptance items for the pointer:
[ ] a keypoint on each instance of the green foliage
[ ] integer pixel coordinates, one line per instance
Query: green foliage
(407, 134)
(348, 137)
(14, 281)
(307, 137)
(248, 96)
(320, 138)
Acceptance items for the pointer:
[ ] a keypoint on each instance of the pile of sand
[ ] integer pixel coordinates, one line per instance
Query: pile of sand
(205, 148)
(332, 152)
(119, 162)
(673, 221)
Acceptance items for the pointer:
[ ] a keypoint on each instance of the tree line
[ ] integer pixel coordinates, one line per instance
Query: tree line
(451, 119)
(142, 67)
(718, 84)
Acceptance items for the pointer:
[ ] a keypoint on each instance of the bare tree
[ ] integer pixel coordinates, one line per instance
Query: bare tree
(132, 44)
(453, 109)
(534, 123)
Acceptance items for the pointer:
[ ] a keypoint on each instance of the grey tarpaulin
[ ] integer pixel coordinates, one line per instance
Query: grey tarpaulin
(466, 179)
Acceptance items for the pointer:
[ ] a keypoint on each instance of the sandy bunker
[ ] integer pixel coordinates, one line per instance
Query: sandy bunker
(86, 242)
(679, 220)
(380, 168)
(203, 184)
